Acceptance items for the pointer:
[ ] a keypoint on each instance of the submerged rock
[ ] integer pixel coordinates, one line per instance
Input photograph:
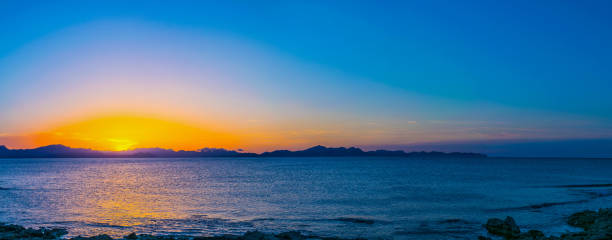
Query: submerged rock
(506, 228)
(12, 231)
(293, 235)
(532, 235)
(596, 226)
(582, 219)
(257, 235)
(53, 233)
(97, 237)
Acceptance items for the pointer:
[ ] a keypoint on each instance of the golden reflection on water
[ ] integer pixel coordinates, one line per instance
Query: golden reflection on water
(127, 195)
(124, 206)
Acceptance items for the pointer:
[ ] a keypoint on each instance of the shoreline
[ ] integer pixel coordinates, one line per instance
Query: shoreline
(14, 232)
(595, 225)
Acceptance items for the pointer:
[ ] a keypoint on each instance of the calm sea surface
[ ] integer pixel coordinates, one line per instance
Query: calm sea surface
(347, 197)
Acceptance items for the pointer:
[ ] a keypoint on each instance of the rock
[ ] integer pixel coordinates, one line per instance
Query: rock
(221, 237)
(601, 236)
(269, 237)
(131, 236)
(532, 235)
(575, 236)
(596, 226)
(214, 238)
(29, 232)
(53, 233)
(506, 228)
(16, 232)
(483, 238)
(257, 235)
(511, 224)
(11, 228)
(78, 238)
(146, 237)
(19, 232)
(230, 237)
(493, 224)
(293, 235)
(101, 237)
(582, 219)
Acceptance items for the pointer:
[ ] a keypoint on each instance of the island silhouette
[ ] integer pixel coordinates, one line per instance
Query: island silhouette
(61, 151)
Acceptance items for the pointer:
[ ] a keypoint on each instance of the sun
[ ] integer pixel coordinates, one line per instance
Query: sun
(119, 133)
(121, 144)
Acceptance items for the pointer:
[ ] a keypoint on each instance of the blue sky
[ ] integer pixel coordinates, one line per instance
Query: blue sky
(429, 71)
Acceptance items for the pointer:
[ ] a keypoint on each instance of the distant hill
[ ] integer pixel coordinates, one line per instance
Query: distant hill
(321, 151)
(61, 151)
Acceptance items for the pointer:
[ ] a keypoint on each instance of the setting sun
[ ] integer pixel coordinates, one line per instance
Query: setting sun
(117, 133)
(122, 144)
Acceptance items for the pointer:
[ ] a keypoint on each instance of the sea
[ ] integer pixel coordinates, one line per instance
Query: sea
(358, 197)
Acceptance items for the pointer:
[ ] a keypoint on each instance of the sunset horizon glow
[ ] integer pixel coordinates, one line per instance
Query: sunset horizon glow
(125, 132)
(191, 75)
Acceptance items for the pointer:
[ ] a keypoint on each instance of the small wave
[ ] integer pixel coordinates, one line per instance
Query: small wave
(97, 224)
(445, 229)
(591, 196)
(430, 231)
(5, 189)
(64, 222)
(591, 193)
(603, 185)
(262, 219)
(454, 221)
(355, 220)
(415, 232)
(538, 206)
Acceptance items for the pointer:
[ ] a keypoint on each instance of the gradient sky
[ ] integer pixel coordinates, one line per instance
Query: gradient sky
(263, 75)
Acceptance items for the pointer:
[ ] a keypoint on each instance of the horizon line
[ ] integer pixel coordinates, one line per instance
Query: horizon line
(60, 151)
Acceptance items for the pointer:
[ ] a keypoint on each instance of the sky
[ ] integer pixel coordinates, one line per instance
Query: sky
(265, 75)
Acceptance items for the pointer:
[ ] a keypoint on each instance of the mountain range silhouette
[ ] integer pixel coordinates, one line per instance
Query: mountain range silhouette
(61, 151)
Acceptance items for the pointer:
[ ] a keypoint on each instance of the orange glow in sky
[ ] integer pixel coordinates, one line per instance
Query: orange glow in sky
(117, 133)
(97, 85)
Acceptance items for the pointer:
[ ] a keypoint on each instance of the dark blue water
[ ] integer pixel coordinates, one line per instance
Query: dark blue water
(347, 197)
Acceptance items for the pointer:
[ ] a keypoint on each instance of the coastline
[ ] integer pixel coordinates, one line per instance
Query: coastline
(61, 151)
(595, 225)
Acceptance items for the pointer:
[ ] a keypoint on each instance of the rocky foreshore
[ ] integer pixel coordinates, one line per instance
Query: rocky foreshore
(16, 232)
(596, 225)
